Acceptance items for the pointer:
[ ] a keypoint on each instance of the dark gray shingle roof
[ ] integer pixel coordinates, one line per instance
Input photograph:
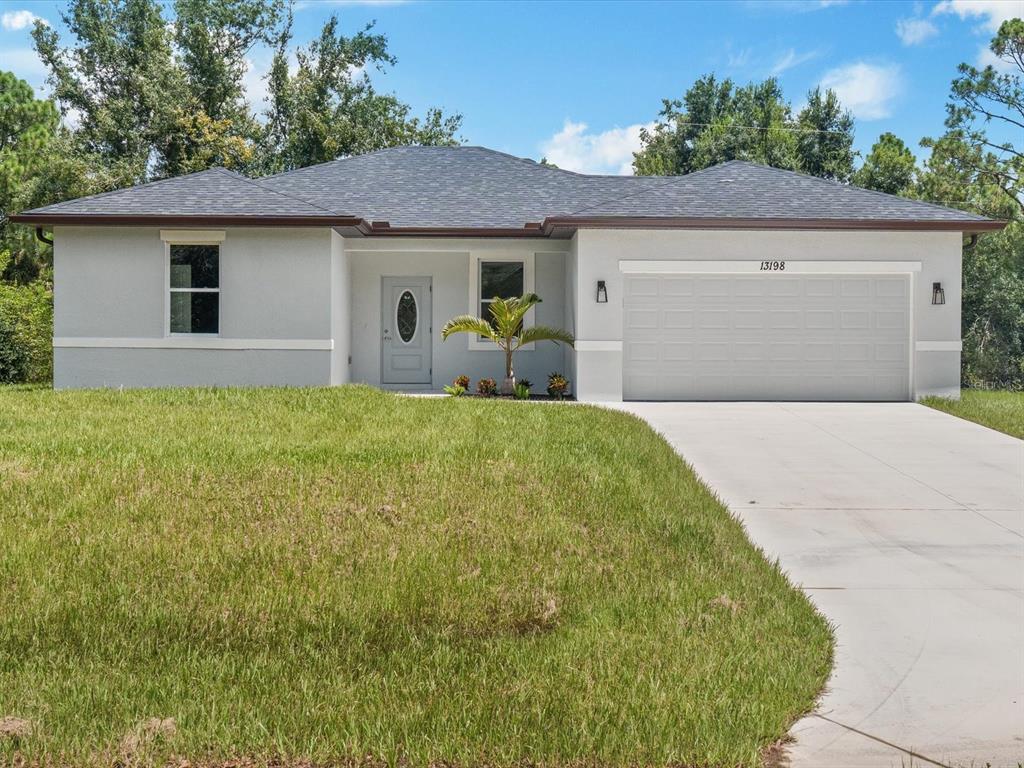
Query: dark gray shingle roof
(216, 192)
(474, 187)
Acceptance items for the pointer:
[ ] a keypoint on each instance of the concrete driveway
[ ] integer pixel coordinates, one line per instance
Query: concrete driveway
(906, 528)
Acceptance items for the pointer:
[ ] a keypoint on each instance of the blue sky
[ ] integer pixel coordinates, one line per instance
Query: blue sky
(575, 81)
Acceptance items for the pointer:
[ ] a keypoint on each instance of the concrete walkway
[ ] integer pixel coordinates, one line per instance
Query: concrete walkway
(906, 528)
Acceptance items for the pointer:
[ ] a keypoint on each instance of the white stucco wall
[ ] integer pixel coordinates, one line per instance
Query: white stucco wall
(451, 265)
(110, 310)
(296, 305)
(599, 326)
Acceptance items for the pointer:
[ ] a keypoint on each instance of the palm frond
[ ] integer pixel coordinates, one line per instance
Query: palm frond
(545, 333)
(468, 324)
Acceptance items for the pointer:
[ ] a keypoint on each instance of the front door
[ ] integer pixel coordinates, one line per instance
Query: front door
(406, 332)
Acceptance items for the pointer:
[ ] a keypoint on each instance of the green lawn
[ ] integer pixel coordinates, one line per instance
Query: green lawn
(337, 574)
(999, 410)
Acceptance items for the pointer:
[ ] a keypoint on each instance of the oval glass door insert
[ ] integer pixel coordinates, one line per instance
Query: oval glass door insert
(406, 316)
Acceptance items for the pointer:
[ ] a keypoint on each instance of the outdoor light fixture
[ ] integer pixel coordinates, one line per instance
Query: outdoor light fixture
(602, 293)
(938, 294)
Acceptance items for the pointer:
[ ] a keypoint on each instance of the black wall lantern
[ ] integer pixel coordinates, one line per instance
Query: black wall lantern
(602, 292)
(938, 294)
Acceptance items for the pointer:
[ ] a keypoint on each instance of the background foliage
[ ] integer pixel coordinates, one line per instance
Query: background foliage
(143, 90)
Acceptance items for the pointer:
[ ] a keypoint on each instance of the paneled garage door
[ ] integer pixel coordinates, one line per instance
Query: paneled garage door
(766, 337)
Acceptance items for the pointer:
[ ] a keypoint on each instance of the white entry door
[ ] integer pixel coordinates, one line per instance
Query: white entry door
(766, 337)
(406, 330)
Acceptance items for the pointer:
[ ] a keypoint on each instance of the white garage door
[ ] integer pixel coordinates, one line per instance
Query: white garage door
(766, 337)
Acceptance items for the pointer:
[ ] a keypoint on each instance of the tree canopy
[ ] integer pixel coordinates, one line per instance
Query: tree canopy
(889, 167)
(166, 96)
(716, 121)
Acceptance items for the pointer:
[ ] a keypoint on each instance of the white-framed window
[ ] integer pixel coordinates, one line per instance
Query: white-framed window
(498, 275)
(193, 282)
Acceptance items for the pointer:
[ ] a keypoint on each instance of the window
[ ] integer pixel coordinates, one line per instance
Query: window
(195, 288)
(500, 279)
(501, 273)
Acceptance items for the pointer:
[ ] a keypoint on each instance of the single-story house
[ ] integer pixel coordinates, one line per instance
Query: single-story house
(733, 283)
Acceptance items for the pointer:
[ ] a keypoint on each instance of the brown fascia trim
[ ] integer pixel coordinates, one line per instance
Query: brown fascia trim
(383, 228)
(564, 224)
(641, 222)
(70, 219)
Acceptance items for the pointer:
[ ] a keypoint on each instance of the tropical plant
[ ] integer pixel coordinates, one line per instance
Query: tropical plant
(455, 390)
(487, 387)
(461, 381)
(507, 331)
(521, 391)
(558, 385)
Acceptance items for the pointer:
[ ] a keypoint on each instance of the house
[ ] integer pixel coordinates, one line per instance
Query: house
(736, 282)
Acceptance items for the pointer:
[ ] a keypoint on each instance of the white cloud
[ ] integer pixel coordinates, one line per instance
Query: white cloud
(992, 13)
(791, 59)
(16, 20)
(915, 31)
(611, 151)
(738, 59)
(865, 89)
(987, 58)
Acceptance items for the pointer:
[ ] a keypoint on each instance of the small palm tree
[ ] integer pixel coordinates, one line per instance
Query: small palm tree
(505, 329)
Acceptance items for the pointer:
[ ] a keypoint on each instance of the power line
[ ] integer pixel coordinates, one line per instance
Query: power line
(762, 128)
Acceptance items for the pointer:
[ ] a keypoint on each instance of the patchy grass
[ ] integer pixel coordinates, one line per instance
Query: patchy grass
(1003, 411)
(343, 574)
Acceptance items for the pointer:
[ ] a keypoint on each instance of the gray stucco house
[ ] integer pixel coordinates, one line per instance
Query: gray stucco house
(737, 282)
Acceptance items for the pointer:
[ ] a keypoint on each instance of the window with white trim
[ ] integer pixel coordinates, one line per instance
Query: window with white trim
(194, 271)
(500, 280)
(501, 273)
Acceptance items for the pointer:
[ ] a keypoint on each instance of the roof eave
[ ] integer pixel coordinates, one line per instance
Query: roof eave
(561, 223)
(213, 220)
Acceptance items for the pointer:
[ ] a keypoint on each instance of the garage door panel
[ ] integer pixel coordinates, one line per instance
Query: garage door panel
(678, 318)
(676, 286)
(712, 286)
(792, 337)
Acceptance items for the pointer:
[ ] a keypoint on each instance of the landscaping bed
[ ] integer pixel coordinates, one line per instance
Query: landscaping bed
(345, 575)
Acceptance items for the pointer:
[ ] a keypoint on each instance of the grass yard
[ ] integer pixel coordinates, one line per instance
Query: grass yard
(1003, 411)
(343, 575)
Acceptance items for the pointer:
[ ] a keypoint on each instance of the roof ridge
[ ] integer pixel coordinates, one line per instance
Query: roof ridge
(256, 183)
(841, 185)
(120, 190)
(669, 180)
(332, 162)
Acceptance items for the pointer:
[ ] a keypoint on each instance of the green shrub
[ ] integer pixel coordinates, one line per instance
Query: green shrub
(26, 333)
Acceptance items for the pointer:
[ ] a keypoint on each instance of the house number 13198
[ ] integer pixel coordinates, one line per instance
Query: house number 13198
(773, 266)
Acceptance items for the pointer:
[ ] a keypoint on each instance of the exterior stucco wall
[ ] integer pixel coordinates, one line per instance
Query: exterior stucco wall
(341, 314)
(599, 326)
(111, 307)
(449, 264)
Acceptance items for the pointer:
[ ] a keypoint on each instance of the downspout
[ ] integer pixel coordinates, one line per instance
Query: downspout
(41, 237)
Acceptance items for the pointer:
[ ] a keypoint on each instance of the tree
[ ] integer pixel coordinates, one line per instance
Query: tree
(167, 96)
(716, 121)
(889, 167)
(825, 138)
(972, 171)
(984, 98)
(330, 109)
(505, 329)
(119, 80)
